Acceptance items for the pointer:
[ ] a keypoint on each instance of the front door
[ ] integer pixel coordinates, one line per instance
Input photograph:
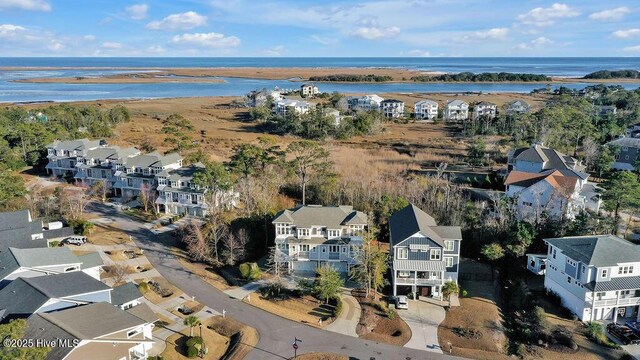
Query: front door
(425, 291)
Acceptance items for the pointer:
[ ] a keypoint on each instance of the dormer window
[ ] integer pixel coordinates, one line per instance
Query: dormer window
(604, 273)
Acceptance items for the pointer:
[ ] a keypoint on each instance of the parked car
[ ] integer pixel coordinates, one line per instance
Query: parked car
(74, 240)
(623, 333)
(402, 302)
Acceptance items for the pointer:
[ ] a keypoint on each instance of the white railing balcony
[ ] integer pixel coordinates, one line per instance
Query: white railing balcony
(629, 301)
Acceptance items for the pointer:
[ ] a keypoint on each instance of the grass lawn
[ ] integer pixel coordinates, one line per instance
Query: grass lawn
(116, 255)
(306, 309)
(193, 305)
(215, 342)
(140, 215)
(243, 338)
(106, 235)
(206, 273)
(156, 298)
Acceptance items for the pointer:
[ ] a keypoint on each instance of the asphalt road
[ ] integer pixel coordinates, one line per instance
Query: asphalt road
(276, 334)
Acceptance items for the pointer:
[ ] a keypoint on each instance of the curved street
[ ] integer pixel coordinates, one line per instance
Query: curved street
(276, 333)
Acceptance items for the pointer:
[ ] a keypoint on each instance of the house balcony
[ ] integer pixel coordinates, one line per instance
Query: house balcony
(418, 281)
(623, 301)
(137, 355)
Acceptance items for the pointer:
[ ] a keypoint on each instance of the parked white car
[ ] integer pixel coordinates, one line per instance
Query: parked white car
(402, 303)
(75, 240)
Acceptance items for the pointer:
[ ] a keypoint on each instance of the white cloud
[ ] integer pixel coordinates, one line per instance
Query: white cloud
(417, 53)
(632, 49)
(491, 34)
(374, 32)
(89, 37)
(55, 45)
(38, 5)
(534, 44)
(111, 45)
(213, 40)
(627, 34)
(611, 14)
(324, 40)
(137, 11)
(8, 31)
(547, 16)
(278, 50)
(182, 21)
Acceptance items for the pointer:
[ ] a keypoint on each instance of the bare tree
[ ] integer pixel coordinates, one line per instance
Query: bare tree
(216, 230)
(73, 202)
(235, 247)
(99, 190)
(198, 246)
(147, 197)
(118, 272)
(276, 262)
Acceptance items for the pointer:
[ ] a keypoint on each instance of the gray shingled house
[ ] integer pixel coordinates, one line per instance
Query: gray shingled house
(312, 235)
(628, 152)
(424, 255)
(19, 230)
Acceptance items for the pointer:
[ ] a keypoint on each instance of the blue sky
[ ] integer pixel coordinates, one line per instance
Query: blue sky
(319, 28)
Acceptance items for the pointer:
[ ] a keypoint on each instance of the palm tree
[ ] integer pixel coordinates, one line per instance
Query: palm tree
(449, 288)
(191, 321)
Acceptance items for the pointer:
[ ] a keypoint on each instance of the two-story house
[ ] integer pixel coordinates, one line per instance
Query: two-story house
(425, 110)
(309, 90)
(456, 110)
(543, 179)
(178, 194)
(63, 155)
(135, 172)
(425, 255)
(95, 331)
(309, 236)
(262, 96)
(517, 107)
(364, 103)
(485, 109)
(288, 106)
(19, 230)
(98, 165)
(628, 151)
(596, 276)
(392, 108)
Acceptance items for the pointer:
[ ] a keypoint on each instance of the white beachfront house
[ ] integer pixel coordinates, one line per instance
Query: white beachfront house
(309, 90)
(392, 108)
(365, 103)
(485, 109)
(425, 110)
(456, 110)
(286, 106)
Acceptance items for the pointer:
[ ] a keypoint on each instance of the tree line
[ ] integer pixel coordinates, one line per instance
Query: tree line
(613, 74)
(351, 78)
(482, 77)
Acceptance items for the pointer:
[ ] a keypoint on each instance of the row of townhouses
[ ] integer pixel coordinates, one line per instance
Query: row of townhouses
(60, 295)
(424, 255)
(126, 172)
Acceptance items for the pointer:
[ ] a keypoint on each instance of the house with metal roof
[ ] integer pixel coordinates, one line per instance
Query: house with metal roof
(309, 236)
(596, 276)
(541, 179)
(137, 172)
(392, 108)
(62, 155)
(517, 107)
(98, 331)
(25, 296)
(425, 110)
(371, 102)
(424, 255)
(19, 230)
(485, 109)
(287, 106)
(628, 153)
(27, 263)
(99, 164)
(456, 110)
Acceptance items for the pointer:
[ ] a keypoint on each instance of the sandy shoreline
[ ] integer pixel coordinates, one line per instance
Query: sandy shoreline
(211, 75)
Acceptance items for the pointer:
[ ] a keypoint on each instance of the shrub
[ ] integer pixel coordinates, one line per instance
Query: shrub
(464, 293)
(194, 345)
(380, 306)
(337, 302)
(274, 290)
(595, 332)
(245, 270)
(249, 271)
(143, 287)
(192, 352)
(81, 227)
(54, 244)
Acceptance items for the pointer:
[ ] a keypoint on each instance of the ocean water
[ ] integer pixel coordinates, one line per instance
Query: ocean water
(25, 92)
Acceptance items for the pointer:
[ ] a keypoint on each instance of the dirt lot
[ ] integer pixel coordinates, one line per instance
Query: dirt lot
(156, 298)
(106, 235)
(306, 310)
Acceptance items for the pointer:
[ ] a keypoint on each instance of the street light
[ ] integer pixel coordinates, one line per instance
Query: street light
(201, 345)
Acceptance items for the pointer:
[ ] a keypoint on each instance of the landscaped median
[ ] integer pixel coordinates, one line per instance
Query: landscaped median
(380, 323)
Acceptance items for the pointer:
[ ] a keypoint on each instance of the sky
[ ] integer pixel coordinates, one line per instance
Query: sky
(301, 28)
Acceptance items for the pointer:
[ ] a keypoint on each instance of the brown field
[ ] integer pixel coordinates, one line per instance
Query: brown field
(203, 75)
(218, 127)
(215, 342)
(306, 310)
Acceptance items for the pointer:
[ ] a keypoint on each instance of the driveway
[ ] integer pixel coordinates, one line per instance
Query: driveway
(423, 319)
(276, 333)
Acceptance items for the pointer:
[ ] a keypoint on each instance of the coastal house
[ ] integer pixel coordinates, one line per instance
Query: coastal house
(537, 263)
(126, 296)
(50, 293)
(262, 96)
(136, 173)
(597, 277)
(95, 331)
(62, 155)
(456, 110)
(425, 110)
(543, 180)
(517, 107)
(98, 165)
(626, 157)
(27, 263)
(333, 114)
(178, 194)
(485, 109)
(19, 230)
(287, 106)
(364, 103)
(424, 255)
(309, 236)
(309, 90)
(392, 108)
(605, 110)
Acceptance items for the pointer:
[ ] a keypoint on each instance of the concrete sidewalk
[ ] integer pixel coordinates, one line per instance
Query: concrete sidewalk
(348, 319)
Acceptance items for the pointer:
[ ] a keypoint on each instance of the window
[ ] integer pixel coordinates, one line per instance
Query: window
(525, 203)
(448, 262)
(344, 249)
(333, 248)
(554, 253)
(571, 262)
(73, 268)
(624, 270)
(324, 249)
(603, 273)
(402, 253)
(133, 332)
(448, 245)
(434, 254)
(404, 274)
(303, 232)
(569, 279)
